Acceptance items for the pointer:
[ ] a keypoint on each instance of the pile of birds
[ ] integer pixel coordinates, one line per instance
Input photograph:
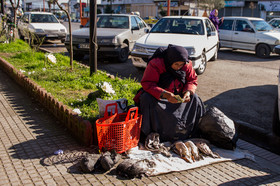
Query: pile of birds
(193, 149)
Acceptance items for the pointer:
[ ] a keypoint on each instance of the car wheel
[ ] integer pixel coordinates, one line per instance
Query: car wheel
(262, 51)
(20, 35)
(78, 56)
(123, 54)
(202, 66)
(276, 122)
(215, 57)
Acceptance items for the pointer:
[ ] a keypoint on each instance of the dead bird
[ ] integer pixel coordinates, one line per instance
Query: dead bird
(90, 163)
(203, 146)
(109, 159)
(134, 168)
(181, 149)
(152, 143)
(194, 150)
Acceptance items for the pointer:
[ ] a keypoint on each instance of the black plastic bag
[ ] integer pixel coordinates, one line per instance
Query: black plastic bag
(218, 129)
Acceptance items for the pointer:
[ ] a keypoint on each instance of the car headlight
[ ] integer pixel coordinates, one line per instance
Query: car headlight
(277, 42)
(62, 30)
(109, 41)
(137, 48)
(191, 51)
(39, 30)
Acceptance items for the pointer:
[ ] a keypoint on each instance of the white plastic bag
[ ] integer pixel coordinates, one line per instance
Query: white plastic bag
(122, 105)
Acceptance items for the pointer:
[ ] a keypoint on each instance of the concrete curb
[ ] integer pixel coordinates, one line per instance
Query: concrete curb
(81, 129)
(258, 136)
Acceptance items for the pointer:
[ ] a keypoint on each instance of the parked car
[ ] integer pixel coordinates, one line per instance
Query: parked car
(275, 23)
(116, 35)
(249, 33)
(197, 34)
(43, 24)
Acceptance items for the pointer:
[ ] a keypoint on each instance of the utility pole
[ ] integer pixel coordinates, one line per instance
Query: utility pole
(44, 5)
(2, 7)
(81, 10)
(168, 7)
(92, 37)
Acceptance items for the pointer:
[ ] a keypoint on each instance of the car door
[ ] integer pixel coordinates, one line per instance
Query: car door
(226, 32)
(212, 39)
(243, 36)
(135, 31)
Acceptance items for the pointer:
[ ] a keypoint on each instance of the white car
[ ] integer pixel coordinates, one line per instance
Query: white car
(275, 23)
(197, 34)
(43, 24)
(249, 33)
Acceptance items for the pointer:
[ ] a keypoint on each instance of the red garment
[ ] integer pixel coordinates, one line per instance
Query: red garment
(153, 71)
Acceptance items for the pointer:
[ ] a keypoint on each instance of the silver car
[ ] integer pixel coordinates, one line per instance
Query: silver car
(116, 35)
(249, 33)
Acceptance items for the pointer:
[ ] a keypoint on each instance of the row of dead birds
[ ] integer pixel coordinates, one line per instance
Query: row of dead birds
(190, 150)
(128, 168)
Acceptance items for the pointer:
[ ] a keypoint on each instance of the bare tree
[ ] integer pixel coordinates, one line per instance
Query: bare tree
(70, 33)
(212, 4)
(15, 8)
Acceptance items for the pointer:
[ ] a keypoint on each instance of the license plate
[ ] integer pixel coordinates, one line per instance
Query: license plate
(84, 45)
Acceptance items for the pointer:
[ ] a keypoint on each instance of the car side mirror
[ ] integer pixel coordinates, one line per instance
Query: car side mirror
(147, 30)
(135, 28)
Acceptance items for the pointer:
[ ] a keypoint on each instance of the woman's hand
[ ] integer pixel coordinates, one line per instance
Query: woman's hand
(170, 97)
(187, 96)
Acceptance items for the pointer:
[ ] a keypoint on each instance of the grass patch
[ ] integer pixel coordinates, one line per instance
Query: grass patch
(70, 87)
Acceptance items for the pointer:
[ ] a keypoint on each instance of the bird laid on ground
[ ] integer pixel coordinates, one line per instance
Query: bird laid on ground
(204, 147)
(194, 150)
(181, 149)
(109, 159)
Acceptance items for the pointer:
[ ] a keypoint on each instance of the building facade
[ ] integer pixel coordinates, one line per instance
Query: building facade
(266, 9)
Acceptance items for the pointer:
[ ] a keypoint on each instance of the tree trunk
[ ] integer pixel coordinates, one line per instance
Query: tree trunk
(70, 34)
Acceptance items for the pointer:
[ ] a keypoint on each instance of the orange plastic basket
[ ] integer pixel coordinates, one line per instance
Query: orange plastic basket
(119, 131)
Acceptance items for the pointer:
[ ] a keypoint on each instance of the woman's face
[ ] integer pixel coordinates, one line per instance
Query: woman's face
(178, 65)
(216, 13)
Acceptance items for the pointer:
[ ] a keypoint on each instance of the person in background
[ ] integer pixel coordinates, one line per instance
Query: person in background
(215, 20)
(169, 75)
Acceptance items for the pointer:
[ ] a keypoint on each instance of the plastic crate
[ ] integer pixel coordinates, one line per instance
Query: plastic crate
(118, 131)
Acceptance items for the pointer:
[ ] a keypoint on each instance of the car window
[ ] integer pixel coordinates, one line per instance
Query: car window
(261, 25)
(179, 26)
(140, 22)
(134, 22)
(112, 22)
(226, 25)
(208, 26)
(242, 26)
(275, 23)
(43, 18)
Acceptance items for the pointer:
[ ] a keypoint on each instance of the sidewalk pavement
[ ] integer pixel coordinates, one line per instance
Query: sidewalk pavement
(29, 136)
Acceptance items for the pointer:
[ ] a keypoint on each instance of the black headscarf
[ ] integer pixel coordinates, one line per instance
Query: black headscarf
(171, 54)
